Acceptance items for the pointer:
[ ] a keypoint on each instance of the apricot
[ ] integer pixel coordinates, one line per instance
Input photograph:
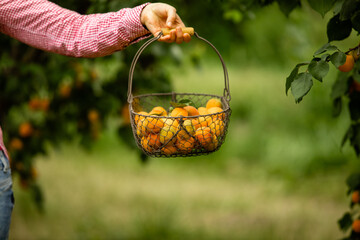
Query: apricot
(202, 111)
(190, 129)
(212, 145)
(356, 226)
(16, 144)
(355, 197)
(214, 102)
(153, 125)
(217, 127)
(167, 133)
(348, 65)
(26, 129)
(138, 117)
(93, 115)
(185, 146)
(154, 141)
(217, 110)
(141, 129)
(177, 112)
(169, 150)
(192, 111)
(204, 136)
(158, 111)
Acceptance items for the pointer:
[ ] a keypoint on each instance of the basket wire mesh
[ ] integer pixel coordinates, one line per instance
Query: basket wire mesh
(179, 124)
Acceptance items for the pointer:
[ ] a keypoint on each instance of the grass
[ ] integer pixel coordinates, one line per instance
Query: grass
(270, 179)
(87, 198)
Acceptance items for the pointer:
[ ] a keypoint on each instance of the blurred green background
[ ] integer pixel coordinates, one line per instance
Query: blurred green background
(279, 175)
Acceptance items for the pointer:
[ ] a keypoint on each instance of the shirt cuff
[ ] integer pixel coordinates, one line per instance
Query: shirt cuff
(136, 31)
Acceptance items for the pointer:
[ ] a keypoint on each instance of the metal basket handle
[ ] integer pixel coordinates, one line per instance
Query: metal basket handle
(147, 43)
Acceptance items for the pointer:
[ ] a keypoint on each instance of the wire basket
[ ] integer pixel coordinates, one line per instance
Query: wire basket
(179, 124)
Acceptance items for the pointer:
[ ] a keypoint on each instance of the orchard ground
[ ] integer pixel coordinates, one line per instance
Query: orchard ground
(279, 175)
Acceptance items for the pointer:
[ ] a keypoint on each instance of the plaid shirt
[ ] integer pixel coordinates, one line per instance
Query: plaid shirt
(47, 26)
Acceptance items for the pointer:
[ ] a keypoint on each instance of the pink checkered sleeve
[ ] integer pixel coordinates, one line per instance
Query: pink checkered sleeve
(47, 26)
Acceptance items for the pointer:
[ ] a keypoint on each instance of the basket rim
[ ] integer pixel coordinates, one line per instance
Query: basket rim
(181, 117)
(225, 110)
(176, 93)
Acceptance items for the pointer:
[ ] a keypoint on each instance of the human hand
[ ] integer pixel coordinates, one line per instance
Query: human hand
(160, 15)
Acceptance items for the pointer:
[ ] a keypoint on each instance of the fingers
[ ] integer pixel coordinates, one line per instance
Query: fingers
(176, 35)
(171, 16)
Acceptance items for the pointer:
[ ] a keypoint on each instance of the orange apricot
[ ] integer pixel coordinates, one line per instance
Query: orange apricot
(202, 111)
(16, 144)
(125, 113)
(185, 146)
(204, 136)
(169, 150)
(154, 141)
(138, 117)
(177, 112)
(216, 110)
(187, 130)
(141, 129)
(355, 197)
(217, 127)
(153, 125)
(158, 111)
(26, 129)
(214, 102)
(145, 144)
(93, 116)
(192, 111)
(167, 133)
(348, 65)
(356, 226)
(212, 145)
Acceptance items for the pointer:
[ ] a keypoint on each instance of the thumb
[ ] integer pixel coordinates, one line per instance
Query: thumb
(171, 16)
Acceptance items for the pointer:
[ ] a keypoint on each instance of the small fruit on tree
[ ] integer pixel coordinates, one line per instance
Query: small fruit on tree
(348, 65)
(26, 130)
(356, 226)
(16, 144)
(93, 115)
(355, 197)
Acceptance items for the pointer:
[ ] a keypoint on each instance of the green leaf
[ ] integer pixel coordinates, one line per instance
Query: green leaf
(338, 6)
(345, 222)
(182, 103)
(338, 58)
(287, 6)
(347, 136)
(337, 106)
(318, 69)
(325, 56)
(340, 87)
(353, 181)
(301, 86)
(338, 30)
(321, 6)
(348, 8)
(355, 20)
(324, 48)
(292, 76)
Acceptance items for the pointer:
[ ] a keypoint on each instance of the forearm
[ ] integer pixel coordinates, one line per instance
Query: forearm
(47, 26)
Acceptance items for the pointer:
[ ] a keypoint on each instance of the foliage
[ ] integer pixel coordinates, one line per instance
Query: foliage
(47, 99)
(345, 19)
